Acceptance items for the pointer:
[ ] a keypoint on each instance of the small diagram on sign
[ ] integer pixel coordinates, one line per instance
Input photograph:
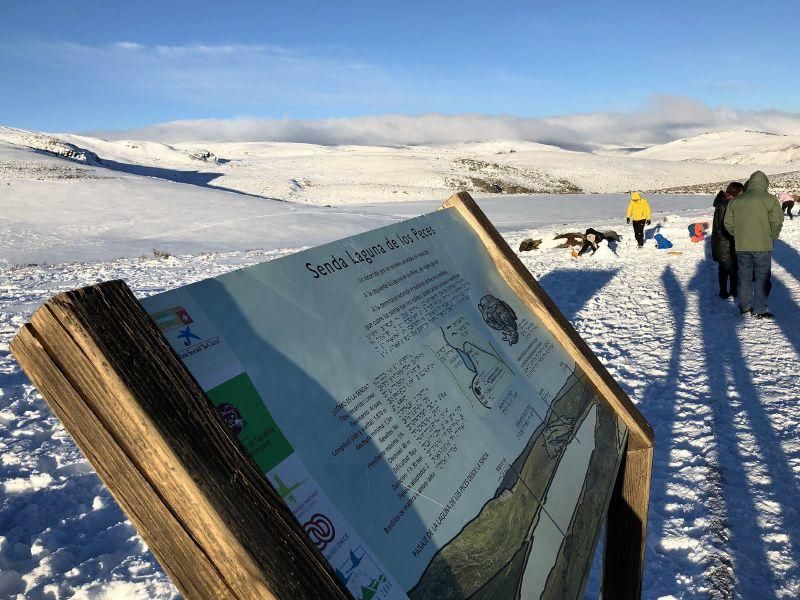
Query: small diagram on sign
(557, 433)
(361, 575)
(500, 316)
(481, 374)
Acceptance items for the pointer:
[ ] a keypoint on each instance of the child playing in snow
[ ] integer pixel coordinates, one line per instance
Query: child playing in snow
(591, 240)
(787, 203)
(698, 231)
(662, 243)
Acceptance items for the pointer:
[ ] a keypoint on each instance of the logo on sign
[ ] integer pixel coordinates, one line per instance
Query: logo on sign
(232, 417)
(177, 316)
(187, 336)
(320, 530)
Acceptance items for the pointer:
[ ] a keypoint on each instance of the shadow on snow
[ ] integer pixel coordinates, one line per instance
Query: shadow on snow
(571, 289)
(198, 178)
(734, 399)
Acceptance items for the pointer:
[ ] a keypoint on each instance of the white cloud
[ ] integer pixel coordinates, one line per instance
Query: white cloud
(128, 46)
(214, 76)
(259, 78)
(665, 118)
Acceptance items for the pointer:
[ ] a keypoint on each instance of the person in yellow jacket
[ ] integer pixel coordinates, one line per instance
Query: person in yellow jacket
(639, 213)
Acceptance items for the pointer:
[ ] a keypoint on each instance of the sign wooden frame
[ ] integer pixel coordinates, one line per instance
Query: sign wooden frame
(196, 497)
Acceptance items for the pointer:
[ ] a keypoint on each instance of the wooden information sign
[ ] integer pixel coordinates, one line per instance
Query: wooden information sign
(401, 414)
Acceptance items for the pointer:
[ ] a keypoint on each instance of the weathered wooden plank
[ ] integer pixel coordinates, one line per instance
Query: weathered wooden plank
(626, 527)
(190, 570)
(529, 290)
(122, 369)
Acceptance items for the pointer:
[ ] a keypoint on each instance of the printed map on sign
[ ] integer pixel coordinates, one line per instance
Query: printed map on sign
(431, 437)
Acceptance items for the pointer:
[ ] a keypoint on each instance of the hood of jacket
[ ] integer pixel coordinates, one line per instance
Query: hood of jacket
(720, 198)
(758, 181)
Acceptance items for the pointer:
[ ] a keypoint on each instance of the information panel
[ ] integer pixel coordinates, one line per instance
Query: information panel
(431, 436)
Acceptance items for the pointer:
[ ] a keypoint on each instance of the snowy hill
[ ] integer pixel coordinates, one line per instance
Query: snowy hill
(735, 147)
(46, 143)
(337, 175)
(56, 210)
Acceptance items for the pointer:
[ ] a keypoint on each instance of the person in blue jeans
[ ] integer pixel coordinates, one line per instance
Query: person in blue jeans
(755, 219)
(755, 270)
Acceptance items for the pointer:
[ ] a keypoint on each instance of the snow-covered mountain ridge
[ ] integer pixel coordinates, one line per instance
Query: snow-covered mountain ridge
(335, 175)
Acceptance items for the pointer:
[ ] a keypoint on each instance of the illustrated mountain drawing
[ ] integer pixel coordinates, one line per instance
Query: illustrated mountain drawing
(500, 316)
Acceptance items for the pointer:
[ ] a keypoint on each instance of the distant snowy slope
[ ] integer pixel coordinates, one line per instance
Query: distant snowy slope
(735, 147)
(140, 152)
(56, 211)
(340, 175)
(46, 143)
(360, 174)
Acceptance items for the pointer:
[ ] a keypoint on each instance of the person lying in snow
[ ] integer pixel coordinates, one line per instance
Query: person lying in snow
(662, 243)
(591, 240)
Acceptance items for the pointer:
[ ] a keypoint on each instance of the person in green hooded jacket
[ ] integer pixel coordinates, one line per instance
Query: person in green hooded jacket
(755, 219)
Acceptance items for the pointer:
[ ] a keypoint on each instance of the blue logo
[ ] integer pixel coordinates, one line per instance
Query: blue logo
(186, 335)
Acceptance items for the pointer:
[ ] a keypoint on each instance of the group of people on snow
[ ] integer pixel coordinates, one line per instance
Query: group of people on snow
(639, 213)
(747, 221)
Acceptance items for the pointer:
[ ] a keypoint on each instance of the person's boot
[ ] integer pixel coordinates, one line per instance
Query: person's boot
(765, 315)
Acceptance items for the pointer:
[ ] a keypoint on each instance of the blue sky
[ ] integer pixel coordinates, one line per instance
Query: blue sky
(90, 65)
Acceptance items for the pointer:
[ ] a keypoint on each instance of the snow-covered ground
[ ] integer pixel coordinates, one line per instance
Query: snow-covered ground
(721, 392)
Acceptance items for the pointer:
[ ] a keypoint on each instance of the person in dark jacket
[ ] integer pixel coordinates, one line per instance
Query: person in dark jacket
(591, 240)
(722, 244)
(787, 203)
(755, 219)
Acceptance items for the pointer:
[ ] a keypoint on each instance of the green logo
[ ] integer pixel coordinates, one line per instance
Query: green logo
(262, 438)
(287, 491)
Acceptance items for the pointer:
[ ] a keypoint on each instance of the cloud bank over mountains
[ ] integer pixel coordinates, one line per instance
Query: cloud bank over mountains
(666, 118)
(427, 104)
